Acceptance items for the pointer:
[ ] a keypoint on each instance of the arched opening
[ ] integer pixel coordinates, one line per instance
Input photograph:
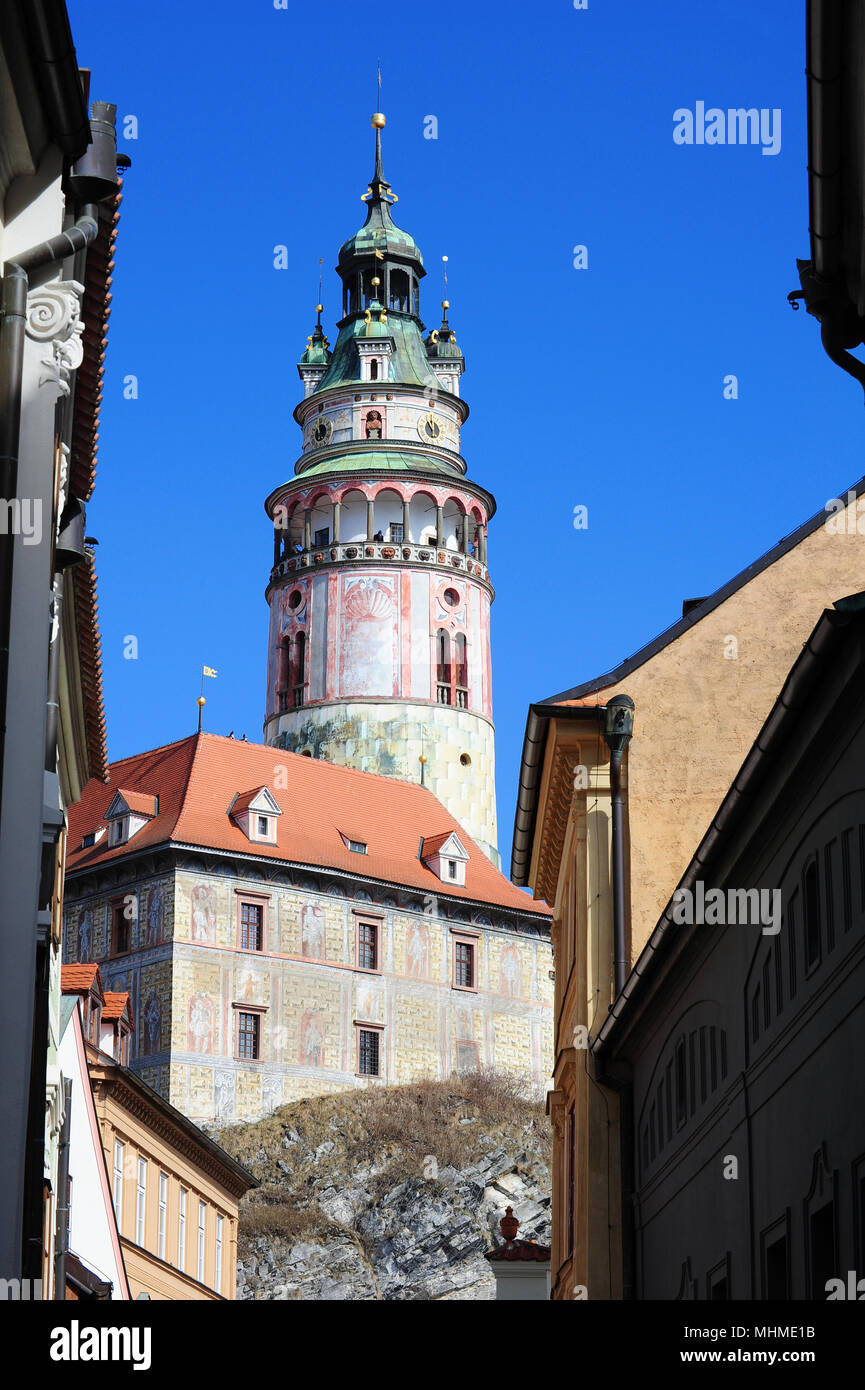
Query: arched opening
(352, 523)
(388, 517)
(298, 669)
(443, 667)
(422, 519)
(453, 524)
(321, 521)
(399, 290)
(369, 289)
(373, 369)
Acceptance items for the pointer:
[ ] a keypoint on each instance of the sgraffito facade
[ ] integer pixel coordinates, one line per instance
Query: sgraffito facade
(189, 980)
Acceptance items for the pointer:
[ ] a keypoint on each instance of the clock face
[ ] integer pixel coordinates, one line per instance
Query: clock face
(322, 430)
(429, 428)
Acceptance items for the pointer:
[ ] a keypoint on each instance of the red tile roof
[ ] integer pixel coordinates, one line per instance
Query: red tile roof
(433, 843)
(198, 777)
(78, 979)
(113, 1006)
(142, 803)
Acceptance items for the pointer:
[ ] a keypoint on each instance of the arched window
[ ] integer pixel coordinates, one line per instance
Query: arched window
(299, 668)
(462, 671)
(443, 667)
(399, 290)
(283, 670)
(373, 369)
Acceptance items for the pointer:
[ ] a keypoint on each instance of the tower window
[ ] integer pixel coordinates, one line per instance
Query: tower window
(399, 291)
(322, 536)
(396, 532)
(373, 369)
(443, 667)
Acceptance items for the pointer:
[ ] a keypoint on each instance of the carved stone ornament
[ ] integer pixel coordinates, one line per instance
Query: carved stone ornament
(54, 318)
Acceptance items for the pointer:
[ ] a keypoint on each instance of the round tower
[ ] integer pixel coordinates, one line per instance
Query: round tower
(379, 651)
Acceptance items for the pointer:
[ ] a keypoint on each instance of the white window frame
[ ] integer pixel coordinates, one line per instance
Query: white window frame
(117, 1185)
(141, 1201)
(218, 1277)
(163, 1213)
(202, 1229)
(181, 1231)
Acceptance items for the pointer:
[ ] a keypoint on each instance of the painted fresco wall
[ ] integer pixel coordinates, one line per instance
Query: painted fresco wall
(185, 988)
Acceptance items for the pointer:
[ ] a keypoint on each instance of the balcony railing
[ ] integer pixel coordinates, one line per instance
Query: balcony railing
(354, 552)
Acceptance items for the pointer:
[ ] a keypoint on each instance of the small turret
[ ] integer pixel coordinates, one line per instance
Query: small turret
(316, 360)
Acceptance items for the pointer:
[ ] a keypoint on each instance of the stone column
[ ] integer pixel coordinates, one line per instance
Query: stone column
(466, 526)
(370, 518)
(337, 508)
(482, 543)
(307, 528)
(405, 519)
(440, 525)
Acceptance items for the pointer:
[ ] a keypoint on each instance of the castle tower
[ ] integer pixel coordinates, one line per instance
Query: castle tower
(379, 650)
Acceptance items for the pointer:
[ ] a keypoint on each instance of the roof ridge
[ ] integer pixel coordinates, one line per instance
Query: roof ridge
(670, 634)
(187, 783)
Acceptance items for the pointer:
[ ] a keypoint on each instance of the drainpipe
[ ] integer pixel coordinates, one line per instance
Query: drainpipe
(618, 728)
(61, 1240)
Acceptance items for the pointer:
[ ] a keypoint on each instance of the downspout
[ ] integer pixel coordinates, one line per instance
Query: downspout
(618, 728)
(61, 1240)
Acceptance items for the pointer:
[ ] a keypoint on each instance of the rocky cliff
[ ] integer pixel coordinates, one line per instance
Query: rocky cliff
(390, 1192)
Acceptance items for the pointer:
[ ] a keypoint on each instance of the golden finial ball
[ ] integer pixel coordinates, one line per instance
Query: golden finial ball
(375, 280)
(446, 304)
(378, 120)
(201, 700)
(421, 759)
(319, 308)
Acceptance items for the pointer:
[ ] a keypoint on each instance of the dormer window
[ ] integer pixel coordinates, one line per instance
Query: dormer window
(446, 856)
(88, 840)
(256, 813)
(355, 845)
(127, 813)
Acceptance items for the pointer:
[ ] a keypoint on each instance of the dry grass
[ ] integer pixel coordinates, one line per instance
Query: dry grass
(391, 1129)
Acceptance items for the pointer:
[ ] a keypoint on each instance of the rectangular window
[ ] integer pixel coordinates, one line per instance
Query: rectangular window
(791, 940)
(217, 1282)
(396, 532)
(452, 868)
(119, 929)
(357, 846)
(202, 1216)
(181, 1231)
(681, 1085)
(263, 826)
(822, 1249)
(141, 1201)
(776, 1276)
(248, 1036)
(251, 926)
(368, 945)
(117, 1188)
(464, 964)
(321, 536)
(163, 1212)
(811, 907)
(369, 1052)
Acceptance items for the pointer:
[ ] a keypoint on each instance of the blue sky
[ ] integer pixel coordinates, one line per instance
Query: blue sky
(600, 387)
